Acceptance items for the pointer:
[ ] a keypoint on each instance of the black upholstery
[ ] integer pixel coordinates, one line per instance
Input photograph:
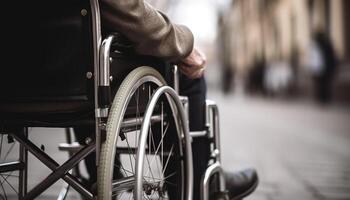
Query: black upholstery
(44, 82)
(49, 53)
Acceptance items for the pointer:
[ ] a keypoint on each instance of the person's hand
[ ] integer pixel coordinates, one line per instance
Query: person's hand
(193, 65)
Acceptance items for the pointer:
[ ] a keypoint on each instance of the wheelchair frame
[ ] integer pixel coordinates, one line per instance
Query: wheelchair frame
(102, 90)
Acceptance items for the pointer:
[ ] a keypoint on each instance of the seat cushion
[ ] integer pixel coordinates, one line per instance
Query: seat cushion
(46, 114)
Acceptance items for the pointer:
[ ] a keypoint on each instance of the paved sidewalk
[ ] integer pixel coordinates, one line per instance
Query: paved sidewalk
(301, 151)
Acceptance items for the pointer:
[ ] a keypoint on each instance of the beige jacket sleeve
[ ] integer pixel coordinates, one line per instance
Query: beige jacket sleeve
(149, 30)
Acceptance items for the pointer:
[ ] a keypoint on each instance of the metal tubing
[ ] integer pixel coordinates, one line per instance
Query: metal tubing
(96, 30)
(173, 99)
(137, 121)
(212, 120)
(52, 164)
(195, 134)
(63, 193)
(98, 138)
(11, 166)
(104, 79)
(176, 79)
(211, 170)
(71, 148)
(60, 171)
(184, 101)
(23, 174)
(123, 184)
(96, 34)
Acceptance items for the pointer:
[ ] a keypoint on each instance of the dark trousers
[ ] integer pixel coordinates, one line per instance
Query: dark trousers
(195, 90)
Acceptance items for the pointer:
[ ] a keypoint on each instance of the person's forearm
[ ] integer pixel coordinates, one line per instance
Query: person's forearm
(149, 30)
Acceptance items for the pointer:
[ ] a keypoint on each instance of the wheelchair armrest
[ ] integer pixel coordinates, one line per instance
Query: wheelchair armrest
(123, 59)
(122, 44)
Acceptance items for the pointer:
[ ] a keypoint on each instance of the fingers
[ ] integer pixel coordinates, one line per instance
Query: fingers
(193, 65)
(196, 58)
(192, 72)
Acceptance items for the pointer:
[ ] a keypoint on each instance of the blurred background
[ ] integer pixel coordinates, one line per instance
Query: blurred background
(280, 73)
(274, 48)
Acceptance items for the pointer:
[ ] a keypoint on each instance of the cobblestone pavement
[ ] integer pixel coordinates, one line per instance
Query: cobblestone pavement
(301, 150)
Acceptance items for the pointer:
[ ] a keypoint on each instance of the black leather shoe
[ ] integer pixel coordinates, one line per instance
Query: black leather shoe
(241, 183)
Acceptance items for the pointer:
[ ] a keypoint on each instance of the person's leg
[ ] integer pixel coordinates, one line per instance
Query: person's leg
(238, 183)
(195, 90)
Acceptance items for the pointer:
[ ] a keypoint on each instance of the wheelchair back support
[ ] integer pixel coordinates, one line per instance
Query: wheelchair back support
(53, 54)
(49, 80)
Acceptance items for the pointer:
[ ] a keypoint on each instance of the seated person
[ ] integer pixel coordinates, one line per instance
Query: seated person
(153, 34)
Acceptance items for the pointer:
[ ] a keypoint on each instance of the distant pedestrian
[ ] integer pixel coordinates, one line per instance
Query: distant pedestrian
(225, 50)
(323, 64)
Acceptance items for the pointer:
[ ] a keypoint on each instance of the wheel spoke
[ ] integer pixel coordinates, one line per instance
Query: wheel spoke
(149, 168)
(137, 113)
(167, 161)
(150, 138)
(10, 175)
(132, 167)
(124, 170)
(156, 152)
(3, 189)
(6, 176)
(162, 133)
(9, 184)
(150, 163)
(170, 175)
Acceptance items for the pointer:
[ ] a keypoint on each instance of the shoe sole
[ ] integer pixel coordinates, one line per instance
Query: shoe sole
(247, 192)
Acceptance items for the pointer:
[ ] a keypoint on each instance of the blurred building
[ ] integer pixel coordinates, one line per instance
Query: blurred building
(271, 33)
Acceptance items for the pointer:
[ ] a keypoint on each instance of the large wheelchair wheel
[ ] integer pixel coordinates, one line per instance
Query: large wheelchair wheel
(163, 155)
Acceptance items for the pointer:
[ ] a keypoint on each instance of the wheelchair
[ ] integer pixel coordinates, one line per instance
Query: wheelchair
(73, 74)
